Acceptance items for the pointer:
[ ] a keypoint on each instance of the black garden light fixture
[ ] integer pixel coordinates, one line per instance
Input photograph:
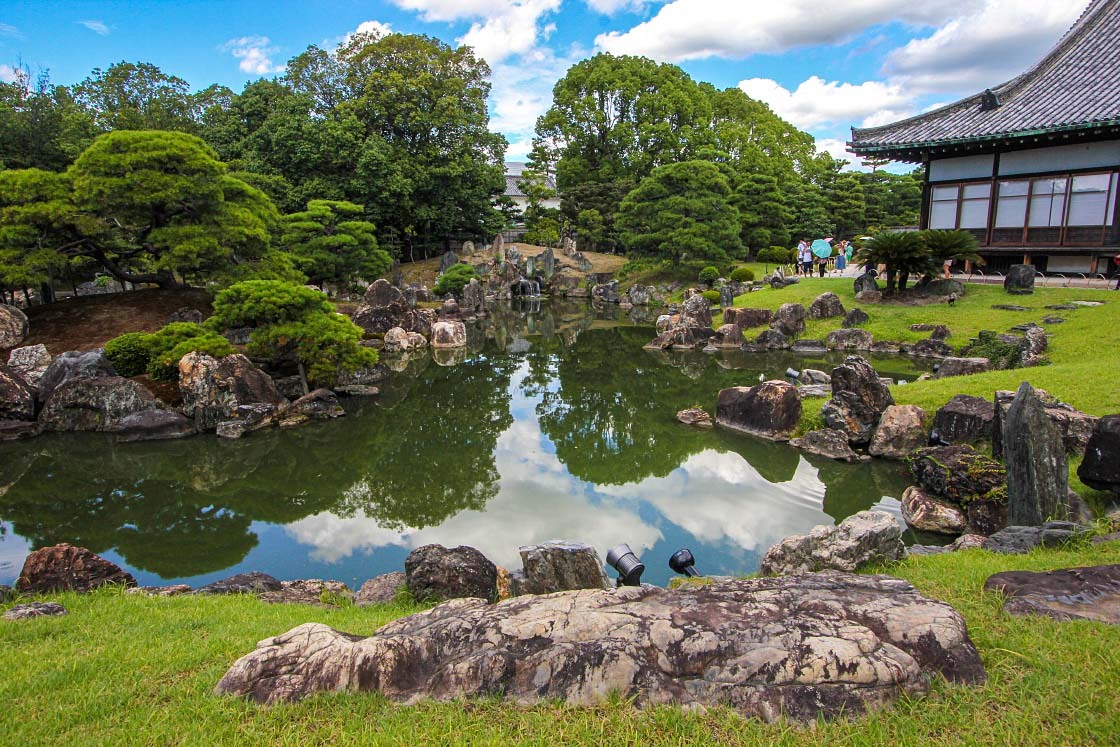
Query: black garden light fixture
(623, 560)
(684, 563)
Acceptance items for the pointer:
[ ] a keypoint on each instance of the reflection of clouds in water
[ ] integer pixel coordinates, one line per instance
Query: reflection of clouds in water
(719, 496)
(538, 500)
(13, 551)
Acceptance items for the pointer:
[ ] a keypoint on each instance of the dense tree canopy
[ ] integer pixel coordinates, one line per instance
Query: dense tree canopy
(330, 243)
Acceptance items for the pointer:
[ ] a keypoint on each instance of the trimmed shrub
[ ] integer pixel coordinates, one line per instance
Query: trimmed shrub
(708, 275)
(711, 295)
(742, 275)
(130, 353)
(165, 366)
(453, 281)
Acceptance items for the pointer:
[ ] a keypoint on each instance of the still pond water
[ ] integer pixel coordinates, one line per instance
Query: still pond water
(553, 424)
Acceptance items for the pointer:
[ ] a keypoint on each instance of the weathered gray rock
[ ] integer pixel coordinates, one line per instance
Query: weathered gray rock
(641, 295)
(1037, 467)
(956, 473)
(937, 331)
(253, 582)
(71, 366)
(862, 538)
(815, 391)
(1032, 348)
(808, 347)
(961, 367)
(789, 319)
(246, 419)
(827, 443)
(849, 339)
(1101, 467)
(213, 389)
(173, 590)
(1075, 426)
(318, 404)
(814, 376)
(1019, 280)
(472, 299)
(1087, 593)
(696, 311)
(608, 293)
(13, 326)
(900, 432)
(185, 314)
(928, 514)
(869, 296)
(561, 566)
(963, 420)
(153, 425)
(17, 399)
(449, 334)
(1017, 540)
(398, 341)
(770, 410)
(311, 591)
(747, 318)
(16, 430)
(95, 404)
(928, 349)
(30, 364)
(436, 572)
(858, 400)
(34, 609)
(826, 306)
(941, 287)
(63, 567)
(696, 417)
(823, 645)
(855, 318)
(380, 589)
(728, 336)
(447, 261)
(771, 339)
(865, 283)
(382, 293)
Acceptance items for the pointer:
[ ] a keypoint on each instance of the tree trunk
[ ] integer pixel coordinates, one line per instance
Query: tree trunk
(302, 377)
(902, 278)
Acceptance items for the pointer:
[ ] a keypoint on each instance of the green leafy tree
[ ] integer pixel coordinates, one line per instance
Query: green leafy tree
(682, 211)
(40, 126)
(136, 96)
(845, 203)
(330, 244)
(164, 205)
(40, 228)
(762, 210)
(292, 320)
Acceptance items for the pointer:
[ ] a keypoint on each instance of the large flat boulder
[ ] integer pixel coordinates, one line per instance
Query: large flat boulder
(770, 410)
(435, 572)
(964, 419)
(823, 645)
(862, 538)
(64, 567)
(561, 566)
(1089, 593)
(30, 364)
(900, 432)
(957, 473)
(95, 404)
(74, 365)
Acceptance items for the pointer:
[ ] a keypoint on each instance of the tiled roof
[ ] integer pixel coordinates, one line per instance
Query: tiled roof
(514, 171)
(1074, 87)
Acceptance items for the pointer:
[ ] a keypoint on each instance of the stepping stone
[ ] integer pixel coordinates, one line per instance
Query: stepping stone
(1009, 307)
(1063, 307)
(1090, 593)
(1088, 303)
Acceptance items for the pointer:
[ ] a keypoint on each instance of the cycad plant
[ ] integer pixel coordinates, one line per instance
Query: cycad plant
(902, 252)
(944, 244)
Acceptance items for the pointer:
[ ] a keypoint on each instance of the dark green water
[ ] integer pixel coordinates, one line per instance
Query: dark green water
(554, 424)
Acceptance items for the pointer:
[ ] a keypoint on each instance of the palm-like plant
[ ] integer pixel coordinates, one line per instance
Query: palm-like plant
(903, 252)
(944, 244)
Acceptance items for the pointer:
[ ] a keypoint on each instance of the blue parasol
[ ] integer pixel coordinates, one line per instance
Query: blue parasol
(821, 248)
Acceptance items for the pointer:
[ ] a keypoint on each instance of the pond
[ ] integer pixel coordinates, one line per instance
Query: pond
(553, 424)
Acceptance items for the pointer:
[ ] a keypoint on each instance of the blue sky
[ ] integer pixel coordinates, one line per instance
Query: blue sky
(824, 65)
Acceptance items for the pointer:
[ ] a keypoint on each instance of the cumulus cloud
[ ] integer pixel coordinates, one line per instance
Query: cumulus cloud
(255, 53)
(817, 102)
(6, 29)
(499, 28)
(694, 29)
(97, 27)
(983, 48)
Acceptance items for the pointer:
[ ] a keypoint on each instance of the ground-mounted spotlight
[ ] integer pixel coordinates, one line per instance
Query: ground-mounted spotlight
(793, 373)
(623, 560)
(684, 563)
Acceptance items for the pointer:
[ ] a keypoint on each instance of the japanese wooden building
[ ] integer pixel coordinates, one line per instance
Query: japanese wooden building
(1031, 167)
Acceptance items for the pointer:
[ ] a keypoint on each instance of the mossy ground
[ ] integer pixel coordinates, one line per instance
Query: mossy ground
(122, 670)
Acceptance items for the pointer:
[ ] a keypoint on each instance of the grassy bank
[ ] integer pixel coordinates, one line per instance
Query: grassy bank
(1082, 350)
(122, 670)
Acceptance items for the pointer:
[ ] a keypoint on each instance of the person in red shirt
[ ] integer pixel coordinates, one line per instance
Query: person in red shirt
(1116, 261)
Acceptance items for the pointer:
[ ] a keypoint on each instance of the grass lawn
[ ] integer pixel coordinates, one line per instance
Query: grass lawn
(122, 670)
(1084, 351)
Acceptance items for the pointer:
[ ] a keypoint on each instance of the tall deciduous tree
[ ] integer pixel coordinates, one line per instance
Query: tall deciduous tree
(682, 211)
(136, 96)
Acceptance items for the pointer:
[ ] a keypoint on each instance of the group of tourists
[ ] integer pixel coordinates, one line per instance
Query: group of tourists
(820, 252)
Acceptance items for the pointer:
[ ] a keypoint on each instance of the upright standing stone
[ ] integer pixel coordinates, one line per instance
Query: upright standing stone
(447, 261)
(1019, 280)
(1037, 467)
(546, 264)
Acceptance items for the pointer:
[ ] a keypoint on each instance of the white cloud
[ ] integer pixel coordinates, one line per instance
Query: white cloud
(97, 27)
(983, 48)
(6, 29)
(610, 7)
(376, 28)
(500, 28)
(693, 29)
(8, 74)
(817, 102)
(521, 90)
(255, 53)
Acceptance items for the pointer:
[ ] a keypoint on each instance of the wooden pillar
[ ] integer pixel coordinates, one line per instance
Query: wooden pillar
(1093, 264)
(968, 265)
(1026, 259)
